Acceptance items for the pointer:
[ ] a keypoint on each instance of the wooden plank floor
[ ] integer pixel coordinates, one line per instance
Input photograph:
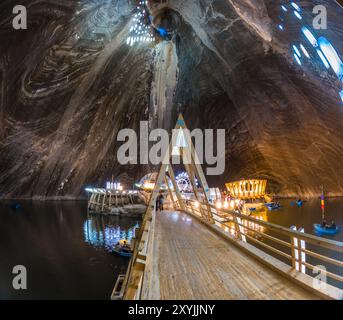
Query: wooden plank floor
(192, 262)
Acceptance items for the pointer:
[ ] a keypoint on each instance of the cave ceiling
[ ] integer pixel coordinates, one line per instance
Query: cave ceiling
(77, 76)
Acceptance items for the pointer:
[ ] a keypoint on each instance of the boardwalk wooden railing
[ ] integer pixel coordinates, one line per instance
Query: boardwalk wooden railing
(140, 264)
(280, 242)
(102, 200)
(277, 243)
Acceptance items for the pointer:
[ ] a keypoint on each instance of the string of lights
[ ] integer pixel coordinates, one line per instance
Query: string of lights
(141, 30)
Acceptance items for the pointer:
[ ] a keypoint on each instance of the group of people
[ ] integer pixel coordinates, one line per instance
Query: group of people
(326, 225)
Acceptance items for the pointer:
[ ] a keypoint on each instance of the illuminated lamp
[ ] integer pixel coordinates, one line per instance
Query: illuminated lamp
(297, 59)
(331, 56)
(303, 49)
(296, 13)
(322, 57)
(310, 37)
(226, 204)
(295, 6)
(296, 50)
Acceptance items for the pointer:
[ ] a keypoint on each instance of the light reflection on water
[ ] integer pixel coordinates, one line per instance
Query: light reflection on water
(65, 250)
(304, 217)
(106, 235)
(250, 226)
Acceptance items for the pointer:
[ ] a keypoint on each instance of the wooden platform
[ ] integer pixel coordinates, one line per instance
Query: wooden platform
(191, 262)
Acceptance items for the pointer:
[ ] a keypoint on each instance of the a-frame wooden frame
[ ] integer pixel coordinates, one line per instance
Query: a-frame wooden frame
(190, 159)
(194, 169)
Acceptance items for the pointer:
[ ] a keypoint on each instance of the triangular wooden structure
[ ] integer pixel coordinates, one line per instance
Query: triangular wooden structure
(182, 146)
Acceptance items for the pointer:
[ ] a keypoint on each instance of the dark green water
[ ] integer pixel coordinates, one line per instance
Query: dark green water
(66, 252)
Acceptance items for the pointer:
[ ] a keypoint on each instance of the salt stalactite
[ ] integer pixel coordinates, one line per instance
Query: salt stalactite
(164, 84)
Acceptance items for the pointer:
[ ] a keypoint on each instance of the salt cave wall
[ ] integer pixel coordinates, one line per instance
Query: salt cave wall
(70, 82)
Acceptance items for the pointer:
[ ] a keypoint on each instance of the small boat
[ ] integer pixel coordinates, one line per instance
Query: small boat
(300, 203)
(326, 230)
(123, 249)
(273, 206)
(15, 206)
(124, 252)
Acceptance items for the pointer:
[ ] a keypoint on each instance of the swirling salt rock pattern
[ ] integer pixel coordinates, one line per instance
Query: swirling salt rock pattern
(69, 83)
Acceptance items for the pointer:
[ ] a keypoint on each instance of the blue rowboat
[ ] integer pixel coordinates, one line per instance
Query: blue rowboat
(122, 250)
(323, 230)
(272, 206)
(15, 206)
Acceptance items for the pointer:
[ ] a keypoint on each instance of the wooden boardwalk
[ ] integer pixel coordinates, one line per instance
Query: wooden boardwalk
(192, 262)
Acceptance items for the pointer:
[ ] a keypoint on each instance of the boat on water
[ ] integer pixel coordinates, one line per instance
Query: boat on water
(300, 203)
(324, 228)
(123, 248)
(328, 230)
(15, 206)
(273, 206)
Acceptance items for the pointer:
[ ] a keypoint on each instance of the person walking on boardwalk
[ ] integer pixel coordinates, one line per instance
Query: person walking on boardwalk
(159, 202)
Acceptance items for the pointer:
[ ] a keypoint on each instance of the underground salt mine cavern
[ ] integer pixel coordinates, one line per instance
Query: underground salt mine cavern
(171, 150)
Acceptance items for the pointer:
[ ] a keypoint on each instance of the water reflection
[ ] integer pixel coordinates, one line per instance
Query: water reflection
(303, 218)
(66, 252)
(252, 226)
(105, 232)
(249, 227)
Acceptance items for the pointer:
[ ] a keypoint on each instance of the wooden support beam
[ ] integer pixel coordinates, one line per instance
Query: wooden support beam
(176, 188)
(135, 273)
(170, 192)
(103, 202)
